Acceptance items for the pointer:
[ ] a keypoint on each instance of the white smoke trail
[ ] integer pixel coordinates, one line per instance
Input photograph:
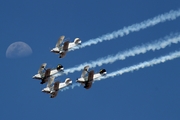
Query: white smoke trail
(162, 43)
(152, 62)
(133, 28)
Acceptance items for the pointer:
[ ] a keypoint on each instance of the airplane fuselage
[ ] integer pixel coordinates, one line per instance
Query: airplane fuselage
(83, 80)
(53, 72)
(51, 89)
(60, 49)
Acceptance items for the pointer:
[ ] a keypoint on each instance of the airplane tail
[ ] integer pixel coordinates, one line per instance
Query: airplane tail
(68, 81)
(77, 41)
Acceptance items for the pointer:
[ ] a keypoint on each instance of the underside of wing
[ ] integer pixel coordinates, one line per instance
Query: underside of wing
(84, 72)
(88, 85)
(44, 80)
(50, 81)
(62, 54)
(60, 40)
(47, 73)
(54, 94)
(65, 45)
(56, 85)
(40, 71)
(90, 75)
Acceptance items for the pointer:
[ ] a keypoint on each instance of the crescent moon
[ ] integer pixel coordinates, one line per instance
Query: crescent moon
(18, 49)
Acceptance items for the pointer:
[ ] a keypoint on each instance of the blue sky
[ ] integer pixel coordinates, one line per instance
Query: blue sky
(146, 94)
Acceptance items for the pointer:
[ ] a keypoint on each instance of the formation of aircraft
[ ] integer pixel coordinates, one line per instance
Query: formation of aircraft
(47, 75)
(61, 48)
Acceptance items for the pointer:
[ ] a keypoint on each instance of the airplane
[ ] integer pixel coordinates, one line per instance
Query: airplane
(65, 46)
(44, 74)
(53, 89)
(88, 80)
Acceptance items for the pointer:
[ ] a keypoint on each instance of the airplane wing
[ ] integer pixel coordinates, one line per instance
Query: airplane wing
(50, 81)
(62, 54)
(86, 68)
(54, 94)
(90, 75)
(42, 68)
(46, 75)
(56, 85)
(88, 83)
(60, 41)
(65, 45)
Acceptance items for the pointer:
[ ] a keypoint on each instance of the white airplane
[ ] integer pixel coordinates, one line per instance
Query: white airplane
(44, 74)
(53, 89)
(65, 46)
(88, 80)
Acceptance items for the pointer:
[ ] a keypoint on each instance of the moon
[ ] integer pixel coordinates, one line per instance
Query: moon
(18, 49)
